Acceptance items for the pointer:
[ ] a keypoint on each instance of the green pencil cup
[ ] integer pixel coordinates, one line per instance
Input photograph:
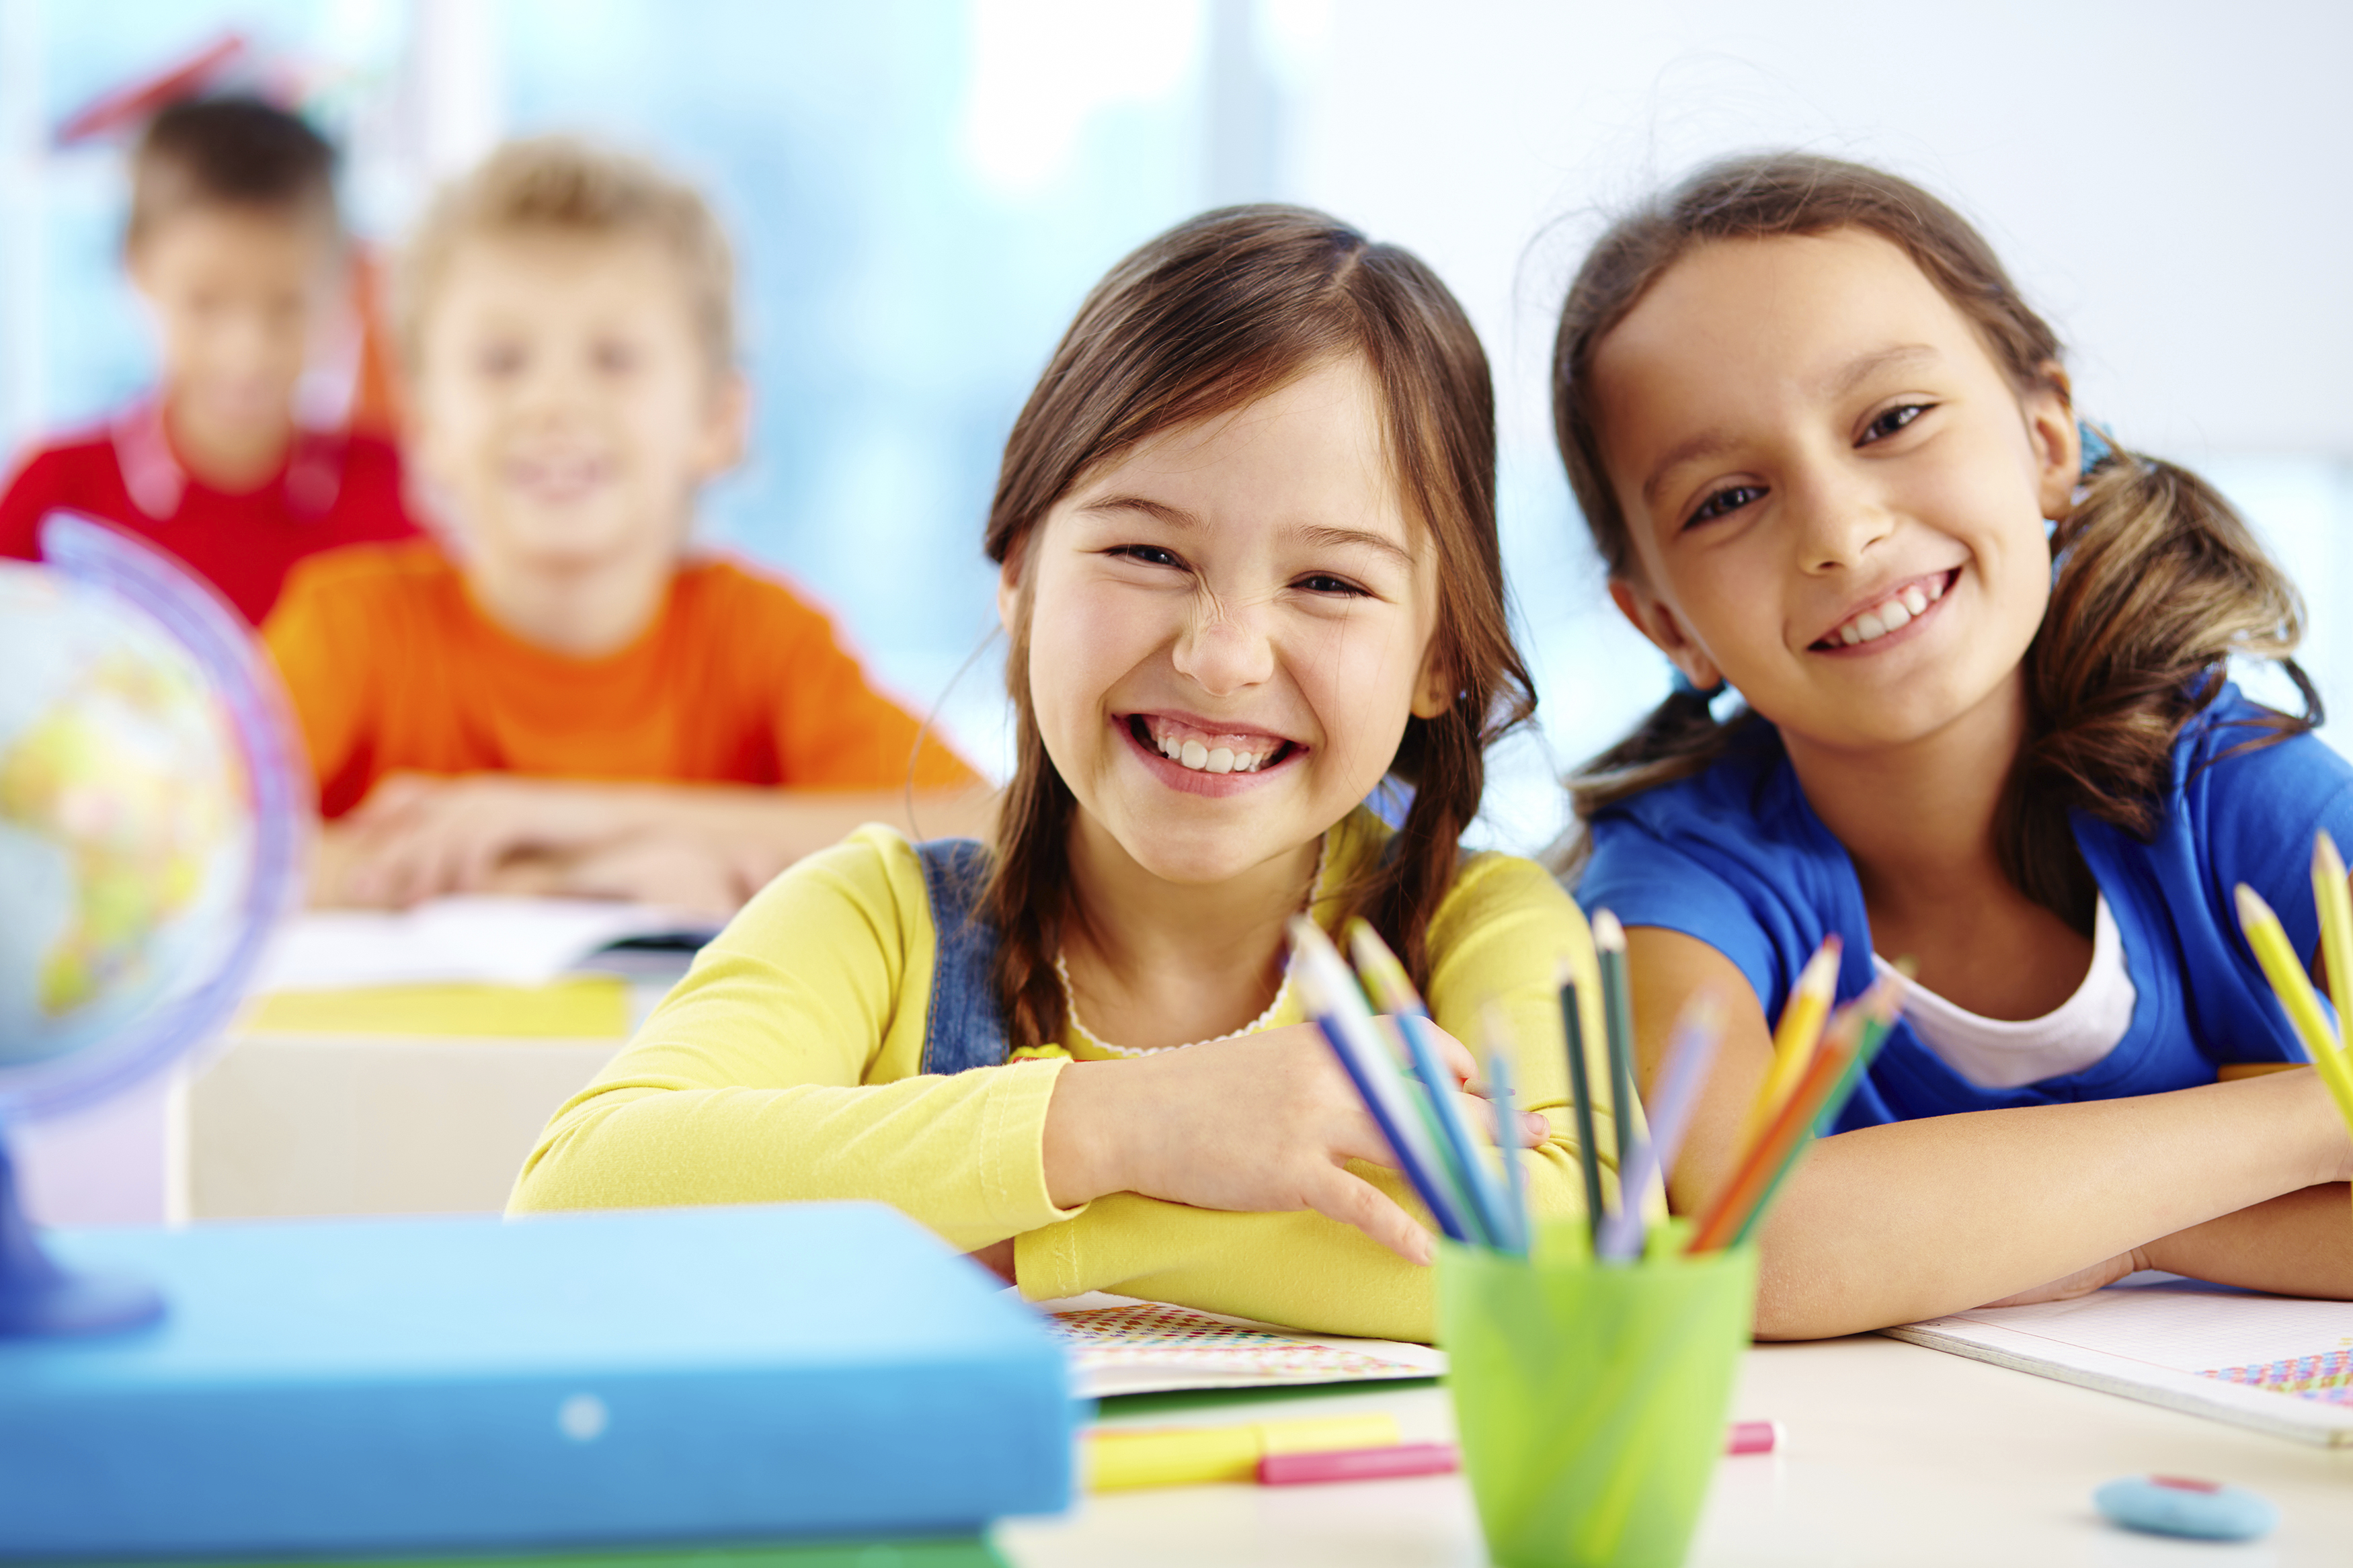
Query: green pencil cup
(1590, 1398)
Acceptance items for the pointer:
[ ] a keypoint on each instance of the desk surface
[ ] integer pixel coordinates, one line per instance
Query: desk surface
(1896, 1454)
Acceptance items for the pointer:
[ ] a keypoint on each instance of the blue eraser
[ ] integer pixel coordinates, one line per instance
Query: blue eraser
(2175, 1505)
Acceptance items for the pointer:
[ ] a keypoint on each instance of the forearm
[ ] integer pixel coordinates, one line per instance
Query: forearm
(1297, 1268)
(958, 1154)
(2298, 1244)
(1894, 1224)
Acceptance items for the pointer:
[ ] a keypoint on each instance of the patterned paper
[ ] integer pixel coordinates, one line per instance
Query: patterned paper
(2328, 1377)
(1125, 1347)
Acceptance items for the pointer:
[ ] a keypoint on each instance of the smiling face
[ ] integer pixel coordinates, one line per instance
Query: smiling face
(1834, 493)
(563, 404)
(1228, 627)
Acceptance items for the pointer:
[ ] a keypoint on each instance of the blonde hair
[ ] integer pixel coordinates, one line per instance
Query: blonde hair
(561, 184)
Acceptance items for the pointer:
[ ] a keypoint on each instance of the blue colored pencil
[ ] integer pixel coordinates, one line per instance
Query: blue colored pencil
(1507, 1136)
(1580, 1095)
(1332, 995)
(1691, 1052)
(1392, 991)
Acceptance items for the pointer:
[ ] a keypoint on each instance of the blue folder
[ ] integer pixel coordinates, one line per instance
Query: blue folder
(375, 1386)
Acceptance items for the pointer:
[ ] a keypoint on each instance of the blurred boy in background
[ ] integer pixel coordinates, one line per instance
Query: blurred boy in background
(235, 246)
(564, 700)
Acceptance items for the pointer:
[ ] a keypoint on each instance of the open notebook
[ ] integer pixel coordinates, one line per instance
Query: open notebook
(1119, 1345)
(2277, 1363)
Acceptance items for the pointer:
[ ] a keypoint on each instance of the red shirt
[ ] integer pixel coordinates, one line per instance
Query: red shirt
(335, 489)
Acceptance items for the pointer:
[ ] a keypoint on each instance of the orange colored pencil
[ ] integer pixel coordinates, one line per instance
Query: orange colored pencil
(1765, 1153)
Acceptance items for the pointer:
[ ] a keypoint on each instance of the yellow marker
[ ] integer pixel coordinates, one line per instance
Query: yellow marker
(1115, 1460)
(2294, 987)
(1800, 1029)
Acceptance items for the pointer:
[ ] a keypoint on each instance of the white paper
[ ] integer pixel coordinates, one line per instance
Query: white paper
(454, 940)
(2281, 1364)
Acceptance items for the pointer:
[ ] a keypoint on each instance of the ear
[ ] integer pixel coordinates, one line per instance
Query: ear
(1655, 620)
(2058, 446)
(1009, 588)
(726, 427)
(1434, 692)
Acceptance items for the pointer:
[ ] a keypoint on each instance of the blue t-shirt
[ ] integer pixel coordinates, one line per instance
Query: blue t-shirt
(1735, 858)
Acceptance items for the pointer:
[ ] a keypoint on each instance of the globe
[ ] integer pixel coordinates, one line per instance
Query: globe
(150, 838)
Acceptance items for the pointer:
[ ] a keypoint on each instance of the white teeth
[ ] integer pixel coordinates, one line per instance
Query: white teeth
(1169, 748)
(1194, 755)
(1894, 615)
(1914, 600)
(1221, 761)
(1848, 636)
(1936, 589)
(1870, 625)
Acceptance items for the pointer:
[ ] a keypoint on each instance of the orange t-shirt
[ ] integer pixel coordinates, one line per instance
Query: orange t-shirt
(393, 668)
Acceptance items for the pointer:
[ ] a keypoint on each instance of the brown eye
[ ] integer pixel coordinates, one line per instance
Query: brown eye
(1891, 421)
(1730, 498)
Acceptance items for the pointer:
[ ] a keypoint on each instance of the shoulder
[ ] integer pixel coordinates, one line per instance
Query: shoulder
(373, 573)
(1744, 817)
(58, 471)
(2245, 794)
(724, 585)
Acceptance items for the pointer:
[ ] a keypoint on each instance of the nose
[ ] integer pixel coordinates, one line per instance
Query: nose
(1843, 518)
(1224, 649)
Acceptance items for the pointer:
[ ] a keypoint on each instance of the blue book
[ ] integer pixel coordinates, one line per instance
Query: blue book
(360, 1387)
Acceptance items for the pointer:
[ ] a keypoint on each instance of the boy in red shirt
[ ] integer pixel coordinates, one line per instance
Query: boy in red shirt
(570, 698)
(235, 243)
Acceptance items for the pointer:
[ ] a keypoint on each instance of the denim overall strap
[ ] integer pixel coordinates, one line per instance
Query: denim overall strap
(964, 1028)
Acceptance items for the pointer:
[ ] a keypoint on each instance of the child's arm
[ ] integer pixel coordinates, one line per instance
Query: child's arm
(1894, 1224)
(705, 846)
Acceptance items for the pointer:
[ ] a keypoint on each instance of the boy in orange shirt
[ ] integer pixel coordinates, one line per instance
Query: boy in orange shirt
(235, 244)
(564, 700)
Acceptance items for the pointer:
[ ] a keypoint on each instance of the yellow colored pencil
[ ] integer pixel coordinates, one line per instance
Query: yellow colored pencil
(1801, 1029)
(2335, 900)
(2294, 987)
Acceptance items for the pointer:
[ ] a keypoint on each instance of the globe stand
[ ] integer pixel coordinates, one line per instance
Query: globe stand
(39, 1299)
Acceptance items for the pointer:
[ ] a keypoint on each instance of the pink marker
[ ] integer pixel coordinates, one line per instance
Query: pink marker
(1753, 1437)
(1358, 1463)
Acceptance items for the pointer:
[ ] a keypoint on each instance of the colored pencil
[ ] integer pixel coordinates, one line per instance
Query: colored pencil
(1878, 1007)
(2281, 967)
(2335, 900)
(1332, 995)
(1764, 1161)
(1691, 1051)
(1393, 993)
(1799, 1031)
(1618, 1031)
(1507, 1133)
(1580, 1099)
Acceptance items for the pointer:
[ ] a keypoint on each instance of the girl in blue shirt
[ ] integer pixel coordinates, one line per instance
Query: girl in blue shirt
(1831, 460)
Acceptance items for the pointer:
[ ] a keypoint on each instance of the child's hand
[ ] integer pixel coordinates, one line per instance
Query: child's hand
(1265, 1124)
(416, 836)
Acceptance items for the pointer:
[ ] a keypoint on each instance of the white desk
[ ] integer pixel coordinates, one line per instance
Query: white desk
(1896, 1454)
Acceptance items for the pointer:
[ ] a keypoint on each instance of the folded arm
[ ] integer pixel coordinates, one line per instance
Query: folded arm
(1894, 1224)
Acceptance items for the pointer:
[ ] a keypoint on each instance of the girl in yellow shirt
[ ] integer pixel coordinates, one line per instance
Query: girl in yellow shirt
(1246, 527)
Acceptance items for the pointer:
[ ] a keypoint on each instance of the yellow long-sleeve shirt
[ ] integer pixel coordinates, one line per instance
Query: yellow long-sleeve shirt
(785, 1067)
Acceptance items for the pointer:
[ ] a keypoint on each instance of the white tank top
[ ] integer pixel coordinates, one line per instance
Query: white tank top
(1999, 1053)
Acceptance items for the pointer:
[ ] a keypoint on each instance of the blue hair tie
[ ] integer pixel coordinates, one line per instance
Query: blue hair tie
(2097, 447)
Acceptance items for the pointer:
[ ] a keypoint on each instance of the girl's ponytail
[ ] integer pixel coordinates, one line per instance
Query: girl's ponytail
(2158, 582)
(1680, 737)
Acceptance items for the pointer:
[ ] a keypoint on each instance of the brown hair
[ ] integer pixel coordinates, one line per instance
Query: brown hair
(1214, 314)
(2157, 581)
(560, 184)
(229, 152)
